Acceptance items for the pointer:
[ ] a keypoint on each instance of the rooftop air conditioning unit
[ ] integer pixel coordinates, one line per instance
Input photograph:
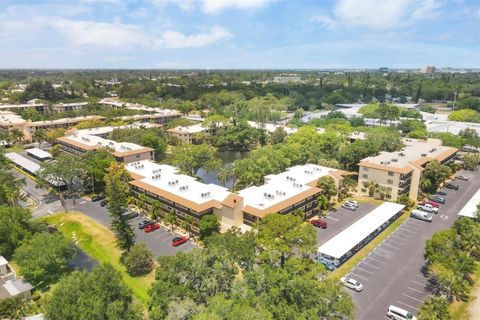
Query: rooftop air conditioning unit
(424, 154)
(394, 160)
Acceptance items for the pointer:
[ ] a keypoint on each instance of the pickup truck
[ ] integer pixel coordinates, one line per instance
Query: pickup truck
(427, 207)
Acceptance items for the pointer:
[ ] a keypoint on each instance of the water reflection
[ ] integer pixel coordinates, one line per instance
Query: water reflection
(227, 157)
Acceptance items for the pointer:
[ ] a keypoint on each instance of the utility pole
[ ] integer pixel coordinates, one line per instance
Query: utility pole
(454, 100)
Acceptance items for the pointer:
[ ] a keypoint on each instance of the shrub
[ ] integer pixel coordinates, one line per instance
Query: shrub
(138, 261)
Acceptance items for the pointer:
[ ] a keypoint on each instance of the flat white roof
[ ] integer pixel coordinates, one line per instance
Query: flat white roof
(414, 149)
(169, 178)
(39, 153)
(270, 127)
(107, 129)
(23, 162)
(11, 118)
(346, 240)
(95, 141)
(470, 208)
(189, 129)
(282, 186)
(3, 261)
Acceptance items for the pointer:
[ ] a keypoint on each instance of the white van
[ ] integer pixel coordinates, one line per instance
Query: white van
(397, 313)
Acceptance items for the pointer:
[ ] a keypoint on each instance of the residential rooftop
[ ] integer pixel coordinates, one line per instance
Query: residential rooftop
(196, 128)
(98, 131)
(91, 142)
(415, 152)
(270, 127)
(283, 189)
(168, 182)
(9, 118)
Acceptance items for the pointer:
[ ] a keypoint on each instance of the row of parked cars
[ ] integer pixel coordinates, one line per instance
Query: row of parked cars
(351, 205)
(150, 226)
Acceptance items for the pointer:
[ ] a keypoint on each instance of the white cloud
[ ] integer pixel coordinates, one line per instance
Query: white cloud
(116, 35)
(174, 39)
(379, 14)
(216, 6)
(375, 14)
(324, 20)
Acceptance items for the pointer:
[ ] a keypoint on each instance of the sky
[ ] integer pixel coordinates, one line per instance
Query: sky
(239, 34)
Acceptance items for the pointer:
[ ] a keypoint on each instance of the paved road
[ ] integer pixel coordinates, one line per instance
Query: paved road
(393, 273)
(340, 219)
(158, 241)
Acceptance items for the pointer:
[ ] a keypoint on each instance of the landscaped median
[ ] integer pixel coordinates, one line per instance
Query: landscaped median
(362, 253)
(99, 243)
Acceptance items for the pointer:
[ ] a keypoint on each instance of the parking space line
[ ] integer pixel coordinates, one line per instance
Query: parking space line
(162, 237)
(369, 272)
(381, 255)
(407, 231)
(421, 292)
(408, 305)
(420, 283)
(357, 275)
(189, 249)
(397, 237)
(421, 276)
(376, 260)
(413, 298)
(332, 218)
(370, 265)
(390, 246)
(388, 239)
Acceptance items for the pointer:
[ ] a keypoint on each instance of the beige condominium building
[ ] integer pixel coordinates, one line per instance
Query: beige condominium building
(184, 195)
(400, 171)
(79, 143)
(186, 134)
(10, 120)
(286, 192)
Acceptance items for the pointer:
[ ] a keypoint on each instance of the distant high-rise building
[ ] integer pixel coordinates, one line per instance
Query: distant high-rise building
(428, 70)
(383, 69)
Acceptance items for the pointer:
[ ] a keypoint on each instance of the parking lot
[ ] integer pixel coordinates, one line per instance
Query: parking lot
(157, 241)
(393, 273)
(340, 219)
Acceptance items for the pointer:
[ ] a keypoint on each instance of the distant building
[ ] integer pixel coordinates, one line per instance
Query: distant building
(383, 69)
(285, 78)
(10, 285)
(186, 134)
(75, 106)
(79, 143)
(400, 172)
(428, 70)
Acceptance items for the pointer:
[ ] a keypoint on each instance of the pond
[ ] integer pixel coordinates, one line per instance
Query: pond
(227, 157)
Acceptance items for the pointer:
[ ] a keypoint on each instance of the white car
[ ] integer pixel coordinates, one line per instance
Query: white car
(427, 207)
(397, 313)
(352, 284)
(352, 203)
(349, 206)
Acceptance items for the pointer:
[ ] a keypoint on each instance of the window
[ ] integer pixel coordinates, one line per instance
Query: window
(364, 190)
(390, 181)
(137, 156)
(365, 176)
(365, 168)
(390, 174)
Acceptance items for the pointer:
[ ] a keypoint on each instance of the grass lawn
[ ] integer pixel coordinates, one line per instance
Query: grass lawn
(459, 310)
(99, 243)
(347, 266)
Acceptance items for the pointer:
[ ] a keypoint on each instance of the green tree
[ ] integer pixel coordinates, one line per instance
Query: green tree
(225, 174)
(278, 136)
(44, 257)
(99, 294)
(15, 227)
(434, 308)
(117, 192)
(38, 136)
(155, 209)
(207, 226)
(433, 175)
(16, 135)
(328, 186)
(138, 261)
(282, 236)
(68, 169)
(190, 158)
(187, 224)
(96, 164)
(323, 204)
(171, 220)
(10, 186)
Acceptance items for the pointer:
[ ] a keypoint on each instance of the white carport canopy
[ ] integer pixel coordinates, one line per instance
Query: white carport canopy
(470, 208)
(39, 153)
(23, 162)
(346, 240)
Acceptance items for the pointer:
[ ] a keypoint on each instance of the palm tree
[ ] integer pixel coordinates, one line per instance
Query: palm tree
(38, 136)
(16, 135)
(224, 175)
(187, 224)
(142, 202)
(383, 192)
(155, 209)
(171, 220)
(372, 188)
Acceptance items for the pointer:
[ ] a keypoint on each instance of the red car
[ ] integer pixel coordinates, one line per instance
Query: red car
(433, 203)
(178, 241)
(319, 223)
(151, 227)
